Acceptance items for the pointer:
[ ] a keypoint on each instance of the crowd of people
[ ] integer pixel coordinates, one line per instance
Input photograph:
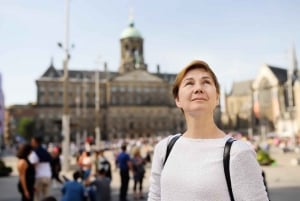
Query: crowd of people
(39, 168)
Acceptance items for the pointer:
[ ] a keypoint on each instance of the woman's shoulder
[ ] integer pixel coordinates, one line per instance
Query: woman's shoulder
(22, 163)
(242, 146)
(161, 147)
(163, 143)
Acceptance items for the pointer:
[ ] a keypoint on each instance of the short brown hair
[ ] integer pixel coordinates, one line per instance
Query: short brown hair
(194, 65)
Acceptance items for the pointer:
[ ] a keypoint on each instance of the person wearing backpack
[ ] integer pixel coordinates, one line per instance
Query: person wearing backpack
(199, 166)
(138, 169)
(103, 163)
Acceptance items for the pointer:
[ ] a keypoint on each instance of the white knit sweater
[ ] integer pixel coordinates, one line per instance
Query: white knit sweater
(194, 172)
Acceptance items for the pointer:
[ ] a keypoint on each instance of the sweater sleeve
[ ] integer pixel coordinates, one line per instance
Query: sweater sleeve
(157, 165)
(246, 174)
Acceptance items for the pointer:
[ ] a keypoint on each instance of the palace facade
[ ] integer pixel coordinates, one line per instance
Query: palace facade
(133, 101)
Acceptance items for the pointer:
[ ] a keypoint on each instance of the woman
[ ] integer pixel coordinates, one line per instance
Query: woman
(138, 168)
(55, 166)
(194, 169)
(85, 163)
(26, 173)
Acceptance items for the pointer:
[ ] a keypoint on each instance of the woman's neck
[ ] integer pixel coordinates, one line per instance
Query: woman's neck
(204, 128)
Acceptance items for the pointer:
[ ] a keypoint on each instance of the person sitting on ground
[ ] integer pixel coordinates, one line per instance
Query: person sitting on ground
(73, 190)
(102, 190)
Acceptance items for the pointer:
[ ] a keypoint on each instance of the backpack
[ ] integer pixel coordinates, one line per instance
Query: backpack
(226, 160)
(104, 164)
(138, 167)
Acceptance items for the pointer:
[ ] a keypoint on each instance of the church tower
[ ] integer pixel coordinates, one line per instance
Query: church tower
(132, 55)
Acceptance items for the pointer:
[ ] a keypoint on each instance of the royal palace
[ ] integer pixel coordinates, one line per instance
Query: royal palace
(134, 102)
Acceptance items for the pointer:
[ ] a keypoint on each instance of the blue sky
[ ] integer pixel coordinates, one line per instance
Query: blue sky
(235, 37)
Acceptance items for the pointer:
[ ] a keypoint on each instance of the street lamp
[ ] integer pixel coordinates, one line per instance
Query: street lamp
(66, 116)
(85, 104)
(97, 109)
(77, 101)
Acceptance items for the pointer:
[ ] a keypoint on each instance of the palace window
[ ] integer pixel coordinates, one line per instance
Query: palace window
(113, 89)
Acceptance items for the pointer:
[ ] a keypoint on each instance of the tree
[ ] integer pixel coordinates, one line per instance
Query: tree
(26, 127)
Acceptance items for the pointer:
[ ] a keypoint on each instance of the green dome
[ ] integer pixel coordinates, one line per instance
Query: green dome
(131, 32)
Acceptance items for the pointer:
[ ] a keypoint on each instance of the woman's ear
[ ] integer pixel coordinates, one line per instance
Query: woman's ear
(177, 102)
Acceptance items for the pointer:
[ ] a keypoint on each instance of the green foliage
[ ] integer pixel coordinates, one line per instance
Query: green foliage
(264, 158)
(4, 170)
(26, 127)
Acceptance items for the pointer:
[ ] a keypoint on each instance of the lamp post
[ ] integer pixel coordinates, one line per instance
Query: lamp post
(85, 116)
(250, 117)
(77, 101)
(66, 116)
(97, 109)
(291, 105)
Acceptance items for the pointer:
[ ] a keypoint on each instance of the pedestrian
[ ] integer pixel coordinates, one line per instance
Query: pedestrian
(41, 158)
(103, 163)
(194, 169)
(124, 164)
(101, 186)
(85, 164)
(138, 169)
(26, 173)
(55, 166)
(73, 189)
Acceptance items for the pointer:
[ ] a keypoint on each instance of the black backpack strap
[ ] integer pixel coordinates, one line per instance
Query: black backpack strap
(170, 146)
(226, 161)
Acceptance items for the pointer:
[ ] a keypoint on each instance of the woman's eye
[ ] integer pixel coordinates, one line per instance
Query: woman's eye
(207, 81)
(188, 83)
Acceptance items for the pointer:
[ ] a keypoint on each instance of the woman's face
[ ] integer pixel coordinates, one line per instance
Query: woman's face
(197, 93)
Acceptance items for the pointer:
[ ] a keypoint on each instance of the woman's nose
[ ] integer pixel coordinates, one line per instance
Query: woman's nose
(198, 89)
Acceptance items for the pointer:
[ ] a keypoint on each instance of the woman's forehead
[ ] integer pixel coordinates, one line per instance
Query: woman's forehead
(198, 71)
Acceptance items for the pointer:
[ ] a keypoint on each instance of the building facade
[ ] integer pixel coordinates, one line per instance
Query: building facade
(14, 114)
(133, 101)
(238, 107)
(267, 105)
